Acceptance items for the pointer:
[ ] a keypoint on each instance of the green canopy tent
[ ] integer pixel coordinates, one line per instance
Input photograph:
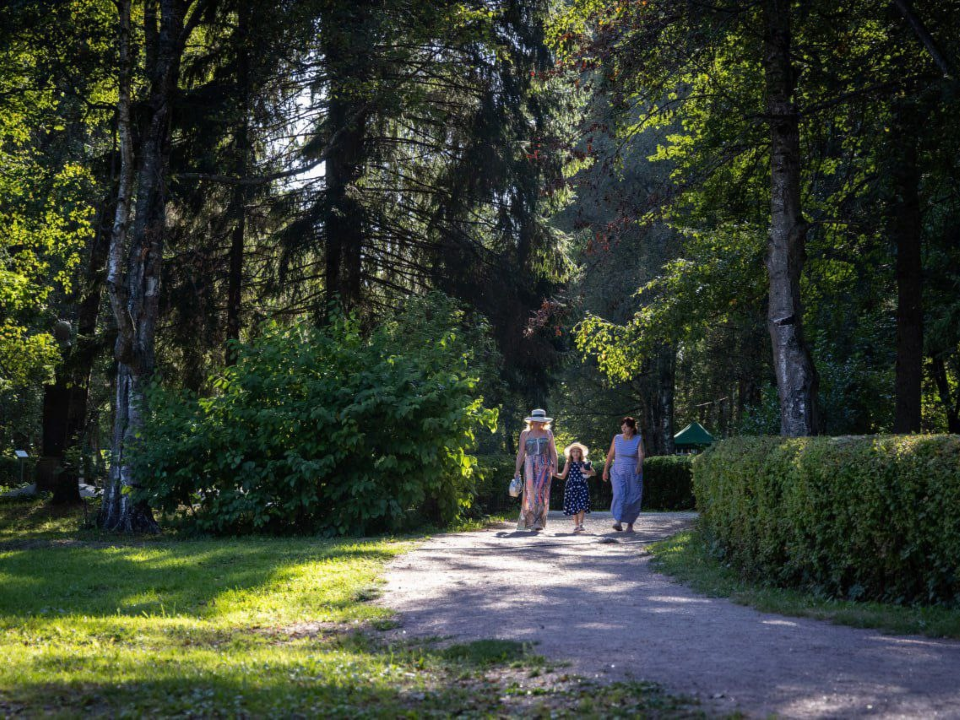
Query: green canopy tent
(693, 437)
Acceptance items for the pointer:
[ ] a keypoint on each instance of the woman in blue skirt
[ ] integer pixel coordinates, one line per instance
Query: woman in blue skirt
(626, 454)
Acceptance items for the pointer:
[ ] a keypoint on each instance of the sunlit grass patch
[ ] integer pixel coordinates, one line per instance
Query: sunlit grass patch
(474, 524)
(256, 627)
(686, 558)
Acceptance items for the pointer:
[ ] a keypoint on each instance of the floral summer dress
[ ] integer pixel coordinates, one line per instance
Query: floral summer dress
(537, 474)
(576, 494)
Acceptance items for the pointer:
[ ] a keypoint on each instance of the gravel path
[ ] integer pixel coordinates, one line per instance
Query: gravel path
(598, 605)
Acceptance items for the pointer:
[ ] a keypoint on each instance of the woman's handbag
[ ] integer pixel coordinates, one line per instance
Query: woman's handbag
(516, 487)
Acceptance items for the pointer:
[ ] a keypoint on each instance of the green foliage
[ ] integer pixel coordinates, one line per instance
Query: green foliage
(10, 471)
(668, 483)
(494, 472)
(684, 86)
(53, 91)
(850, 517)
(43, 222)
(718, 275)
(325, 430)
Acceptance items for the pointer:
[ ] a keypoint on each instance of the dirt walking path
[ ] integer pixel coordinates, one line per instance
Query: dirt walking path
(598, 605)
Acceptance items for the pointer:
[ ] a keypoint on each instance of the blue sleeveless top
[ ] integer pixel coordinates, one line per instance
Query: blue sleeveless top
(626, 449)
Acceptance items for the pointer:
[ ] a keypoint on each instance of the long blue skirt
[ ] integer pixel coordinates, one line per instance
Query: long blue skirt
(627, 492)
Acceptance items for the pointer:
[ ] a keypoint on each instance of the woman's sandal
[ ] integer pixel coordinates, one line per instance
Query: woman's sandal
(618, 527)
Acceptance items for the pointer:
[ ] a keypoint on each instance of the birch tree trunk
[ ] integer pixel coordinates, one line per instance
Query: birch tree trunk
(797, 380)
(136, 252)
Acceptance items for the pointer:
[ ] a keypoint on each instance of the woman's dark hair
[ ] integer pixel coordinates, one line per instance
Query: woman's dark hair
(630, 422)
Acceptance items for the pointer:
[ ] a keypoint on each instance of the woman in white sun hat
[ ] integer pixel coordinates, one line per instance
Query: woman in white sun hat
(537, 455)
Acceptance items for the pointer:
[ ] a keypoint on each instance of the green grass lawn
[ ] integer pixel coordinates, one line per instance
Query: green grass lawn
(94, 624)
(685, 558)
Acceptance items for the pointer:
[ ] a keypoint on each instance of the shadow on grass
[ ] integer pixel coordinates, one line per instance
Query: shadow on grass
(356, 677)
(484, 653)
(169, 578)
(31, 519)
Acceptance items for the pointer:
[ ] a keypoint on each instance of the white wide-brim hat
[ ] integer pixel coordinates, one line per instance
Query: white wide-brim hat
(538, 416)
(583, 450)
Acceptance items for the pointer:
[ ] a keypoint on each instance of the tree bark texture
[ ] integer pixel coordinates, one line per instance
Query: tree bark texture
(656, 399)
(345, 43)
(951, 405)
(797, 380)
(133, 277)
(906, 225)
(65, 402)
(923, 35)
(240, 197)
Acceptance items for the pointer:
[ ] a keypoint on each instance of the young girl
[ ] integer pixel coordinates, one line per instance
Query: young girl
(576, 494)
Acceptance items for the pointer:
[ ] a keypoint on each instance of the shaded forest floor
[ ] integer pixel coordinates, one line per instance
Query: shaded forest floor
(598, 603)
(100, 625)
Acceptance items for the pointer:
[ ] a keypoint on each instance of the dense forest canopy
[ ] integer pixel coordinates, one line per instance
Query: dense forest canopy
(742, 213)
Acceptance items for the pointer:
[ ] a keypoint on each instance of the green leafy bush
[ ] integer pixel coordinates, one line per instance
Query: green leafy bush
(493, 475)
(867, 517)
(325, 430)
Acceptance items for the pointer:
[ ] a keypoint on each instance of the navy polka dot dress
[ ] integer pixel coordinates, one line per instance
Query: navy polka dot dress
(576, 494)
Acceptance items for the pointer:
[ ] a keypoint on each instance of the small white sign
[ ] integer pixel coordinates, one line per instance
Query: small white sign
(21, 454)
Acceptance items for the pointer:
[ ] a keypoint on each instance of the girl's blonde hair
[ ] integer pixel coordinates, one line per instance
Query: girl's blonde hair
(530, 423)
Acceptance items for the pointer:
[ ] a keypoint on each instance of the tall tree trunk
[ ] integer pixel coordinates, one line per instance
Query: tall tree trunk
(659, 405)
(345, 45)
(65, 402)
(797, 380)
(907, 229)
(648, 425)
(950, 404)
(135, 296)
(343, 216)
(238, 209)
(662, 417)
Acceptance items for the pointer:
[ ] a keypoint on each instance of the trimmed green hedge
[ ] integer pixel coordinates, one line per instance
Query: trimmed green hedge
(667, 485)
(875, 517)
